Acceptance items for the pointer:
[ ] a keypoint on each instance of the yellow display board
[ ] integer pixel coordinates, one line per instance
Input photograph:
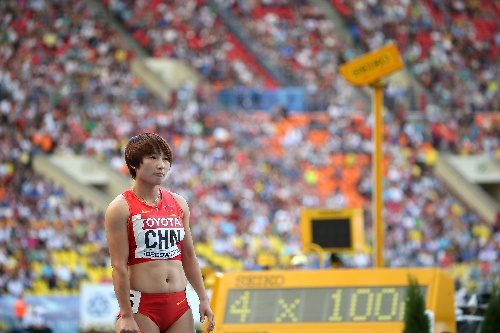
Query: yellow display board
(334, 230)
(325, 301)
(373, 65)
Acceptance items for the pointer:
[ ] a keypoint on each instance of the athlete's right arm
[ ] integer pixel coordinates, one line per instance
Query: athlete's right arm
(115, 223)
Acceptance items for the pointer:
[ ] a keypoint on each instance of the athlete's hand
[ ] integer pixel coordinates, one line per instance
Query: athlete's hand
(128, 325)
(206, 312)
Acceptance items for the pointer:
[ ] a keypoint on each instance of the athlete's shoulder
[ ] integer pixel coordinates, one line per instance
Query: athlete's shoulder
(119, 200)
(176, 196)
(118, 203)
(117, 210)
(180, 200)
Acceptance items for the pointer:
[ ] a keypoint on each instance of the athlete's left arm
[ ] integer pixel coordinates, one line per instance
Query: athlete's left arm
(192, 268)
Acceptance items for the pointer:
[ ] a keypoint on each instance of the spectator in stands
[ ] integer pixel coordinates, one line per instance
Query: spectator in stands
(153, 267)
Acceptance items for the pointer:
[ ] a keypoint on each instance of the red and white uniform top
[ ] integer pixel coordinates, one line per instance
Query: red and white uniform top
(154, 232)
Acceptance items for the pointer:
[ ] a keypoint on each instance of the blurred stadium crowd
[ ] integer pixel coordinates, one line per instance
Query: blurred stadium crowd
(66, 88)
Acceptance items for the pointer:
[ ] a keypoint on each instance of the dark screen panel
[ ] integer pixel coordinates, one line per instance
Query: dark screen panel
(329, 233)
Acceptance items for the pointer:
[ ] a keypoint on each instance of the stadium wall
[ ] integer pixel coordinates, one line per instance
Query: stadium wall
(461, 176)
(164, 76)
(81, 178)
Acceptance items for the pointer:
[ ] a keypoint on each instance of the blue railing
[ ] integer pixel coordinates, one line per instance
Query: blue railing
(255, 99)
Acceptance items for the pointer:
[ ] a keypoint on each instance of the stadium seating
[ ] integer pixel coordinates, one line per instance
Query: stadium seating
(86, 102)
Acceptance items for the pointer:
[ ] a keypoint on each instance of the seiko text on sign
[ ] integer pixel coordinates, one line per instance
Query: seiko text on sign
(372, 66)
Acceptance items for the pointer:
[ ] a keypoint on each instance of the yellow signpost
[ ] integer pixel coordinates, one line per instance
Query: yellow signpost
(368, 70)
(372, 66)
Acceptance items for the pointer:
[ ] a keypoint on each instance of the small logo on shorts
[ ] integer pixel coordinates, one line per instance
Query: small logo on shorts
(180, 302)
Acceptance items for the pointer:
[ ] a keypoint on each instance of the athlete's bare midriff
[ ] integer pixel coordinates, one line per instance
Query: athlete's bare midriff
(157, 276)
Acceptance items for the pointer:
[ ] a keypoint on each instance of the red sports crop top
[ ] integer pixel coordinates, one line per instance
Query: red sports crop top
(154, 232)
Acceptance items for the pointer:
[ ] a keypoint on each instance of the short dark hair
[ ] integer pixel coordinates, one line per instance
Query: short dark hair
(142, 145)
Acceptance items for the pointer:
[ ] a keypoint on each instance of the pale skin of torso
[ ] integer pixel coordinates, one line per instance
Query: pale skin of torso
(157, 276)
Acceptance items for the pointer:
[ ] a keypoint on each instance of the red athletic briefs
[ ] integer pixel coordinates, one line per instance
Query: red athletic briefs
(163, 309)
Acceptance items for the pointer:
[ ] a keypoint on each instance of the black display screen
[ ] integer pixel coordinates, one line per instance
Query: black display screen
(332, 233)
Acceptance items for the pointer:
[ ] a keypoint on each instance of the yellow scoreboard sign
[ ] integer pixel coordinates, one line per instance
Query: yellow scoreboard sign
(372, 66)
(334, 230)
(340, 301)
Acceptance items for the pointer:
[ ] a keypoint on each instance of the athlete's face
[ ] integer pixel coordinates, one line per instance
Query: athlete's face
(153, 168)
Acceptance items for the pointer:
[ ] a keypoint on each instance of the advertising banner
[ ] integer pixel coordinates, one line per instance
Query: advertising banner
(61, 313)
(98, 306)
(95, 307)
